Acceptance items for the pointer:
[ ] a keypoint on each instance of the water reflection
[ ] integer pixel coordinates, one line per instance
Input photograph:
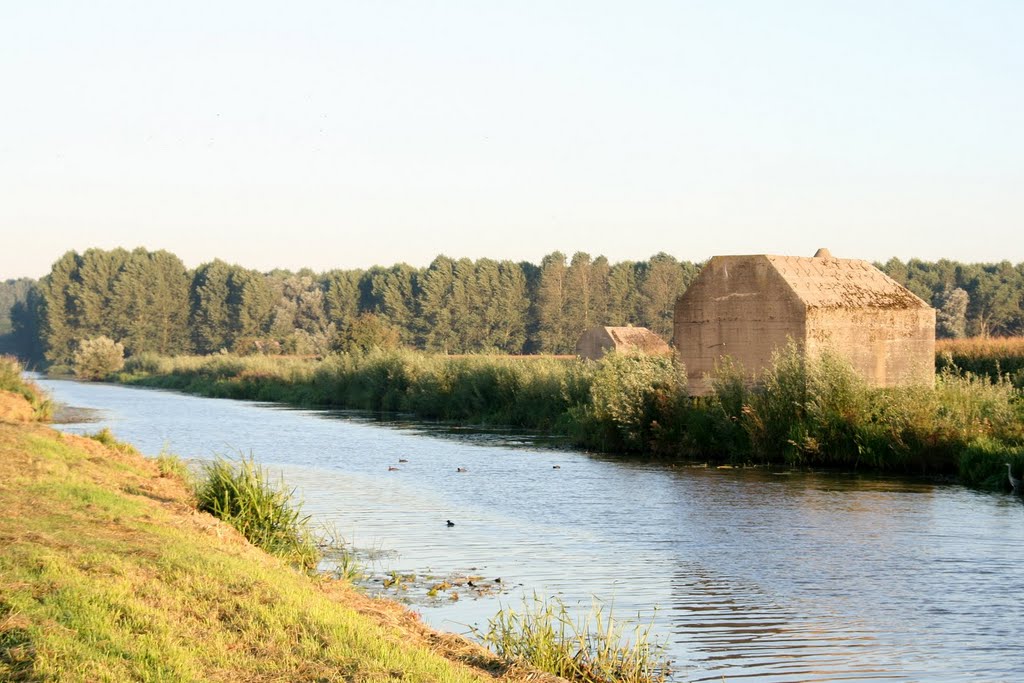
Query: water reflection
(747, 573)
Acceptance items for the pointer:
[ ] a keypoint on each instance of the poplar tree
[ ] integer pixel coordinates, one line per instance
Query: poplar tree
(664, 281)
(57, 310)
(210, 313)
(435, 332)
(550, 305)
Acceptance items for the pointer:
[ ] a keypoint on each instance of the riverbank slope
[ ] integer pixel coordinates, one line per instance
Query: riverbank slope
(108, 572)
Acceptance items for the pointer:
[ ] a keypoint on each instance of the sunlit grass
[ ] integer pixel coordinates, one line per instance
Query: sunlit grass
(592, 648)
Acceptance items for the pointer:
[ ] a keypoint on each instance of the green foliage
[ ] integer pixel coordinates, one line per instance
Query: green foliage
(983, 463)
(19, 319)
(268, 516)
(98, 358)
(594, 648)
(631, 395)
(807, 409)
(994, 358)
(368, 332)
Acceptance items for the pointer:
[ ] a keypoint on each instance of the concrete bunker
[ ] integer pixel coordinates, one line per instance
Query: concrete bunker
(746, 307)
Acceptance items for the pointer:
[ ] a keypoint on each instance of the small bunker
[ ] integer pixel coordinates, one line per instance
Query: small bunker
(746, 307)
(598, 341)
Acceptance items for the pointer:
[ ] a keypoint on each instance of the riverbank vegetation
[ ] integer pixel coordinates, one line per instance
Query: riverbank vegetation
(108, 572)
(805, 413)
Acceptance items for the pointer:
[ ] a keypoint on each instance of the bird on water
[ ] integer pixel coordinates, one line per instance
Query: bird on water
(451, 523)
(1014, 481)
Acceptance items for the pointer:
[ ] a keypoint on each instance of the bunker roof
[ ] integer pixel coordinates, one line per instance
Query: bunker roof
(828, 282)
(637, 337)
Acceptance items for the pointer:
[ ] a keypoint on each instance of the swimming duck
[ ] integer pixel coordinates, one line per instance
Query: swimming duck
(451, 523)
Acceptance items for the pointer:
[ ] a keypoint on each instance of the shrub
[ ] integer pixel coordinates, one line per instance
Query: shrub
(632, 394)
(98, 358)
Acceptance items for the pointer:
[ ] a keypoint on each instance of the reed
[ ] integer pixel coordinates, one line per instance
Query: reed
(240, 493)
(593, 648)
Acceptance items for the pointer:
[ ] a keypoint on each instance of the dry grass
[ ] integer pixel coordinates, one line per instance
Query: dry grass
(108, 572)
(989, 347)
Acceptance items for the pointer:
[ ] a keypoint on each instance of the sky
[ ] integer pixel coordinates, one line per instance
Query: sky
(344, 134)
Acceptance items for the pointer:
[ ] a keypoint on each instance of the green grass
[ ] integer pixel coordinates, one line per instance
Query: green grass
(268, 515)
(108, 574)
(107, 438)
(593, 648)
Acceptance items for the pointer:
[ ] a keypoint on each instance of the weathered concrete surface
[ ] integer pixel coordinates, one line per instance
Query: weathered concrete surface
(746, 307)
(597, 341)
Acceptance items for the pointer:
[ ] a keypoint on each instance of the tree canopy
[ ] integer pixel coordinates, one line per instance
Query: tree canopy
(149, 301)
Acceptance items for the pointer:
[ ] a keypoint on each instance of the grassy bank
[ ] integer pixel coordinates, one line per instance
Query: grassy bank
(815, 414)
(108, 572)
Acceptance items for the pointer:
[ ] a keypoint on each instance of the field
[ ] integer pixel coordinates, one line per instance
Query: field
(992, 357)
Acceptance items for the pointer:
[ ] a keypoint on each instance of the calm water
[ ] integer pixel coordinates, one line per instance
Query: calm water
(747, 574)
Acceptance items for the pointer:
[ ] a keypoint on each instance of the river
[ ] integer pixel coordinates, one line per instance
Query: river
(744, 573)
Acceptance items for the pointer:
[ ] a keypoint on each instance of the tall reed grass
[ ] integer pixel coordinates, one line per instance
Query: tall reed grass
(593, 648)
(240, 493)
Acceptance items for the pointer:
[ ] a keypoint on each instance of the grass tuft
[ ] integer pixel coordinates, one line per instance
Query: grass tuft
(241, 494)
(107, 438)
(594, 648)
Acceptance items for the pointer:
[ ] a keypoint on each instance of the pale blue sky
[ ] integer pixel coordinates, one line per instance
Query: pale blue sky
(344, 134)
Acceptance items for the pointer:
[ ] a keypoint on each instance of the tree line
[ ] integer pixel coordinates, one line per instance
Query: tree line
(150, 302)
